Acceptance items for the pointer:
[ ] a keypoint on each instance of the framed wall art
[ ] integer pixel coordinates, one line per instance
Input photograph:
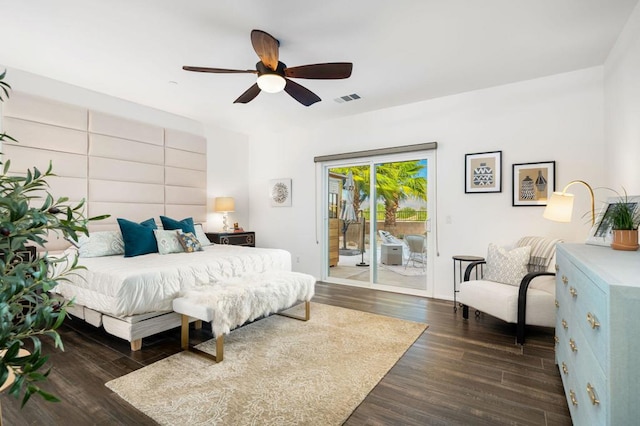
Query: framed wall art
(280, 192)
(533, 183)
(483, 172)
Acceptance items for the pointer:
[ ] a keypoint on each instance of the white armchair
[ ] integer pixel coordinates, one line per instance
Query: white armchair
(517, 286)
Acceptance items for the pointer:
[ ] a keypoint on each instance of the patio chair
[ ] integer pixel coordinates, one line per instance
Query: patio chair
(417, 250)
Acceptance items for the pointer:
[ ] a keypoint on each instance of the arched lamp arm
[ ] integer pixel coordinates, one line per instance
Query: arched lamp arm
(593, 203)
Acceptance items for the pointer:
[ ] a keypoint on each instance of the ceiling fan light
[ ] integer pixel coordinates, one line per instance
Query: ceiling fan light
(271, 83)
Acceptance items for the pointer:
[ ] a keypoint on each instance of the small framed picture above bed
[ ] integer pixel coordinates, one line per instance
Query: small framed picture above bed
(280, 192)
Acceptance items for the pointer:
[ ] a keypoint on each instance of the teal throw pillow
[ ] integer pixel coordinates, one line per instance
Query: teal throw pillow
(138, 237)
(186, 225)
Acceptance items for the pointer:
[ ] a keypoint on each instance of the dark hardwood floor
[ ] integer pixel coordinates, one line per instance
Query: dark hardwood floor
(457, 373)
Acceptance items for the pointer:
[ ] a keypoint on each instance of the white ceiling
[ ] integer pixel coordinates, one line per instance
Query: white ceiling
(403, 51)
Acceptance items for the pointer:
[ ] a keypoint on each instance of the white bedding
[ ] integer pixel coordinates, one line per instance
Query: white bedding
(121, 286)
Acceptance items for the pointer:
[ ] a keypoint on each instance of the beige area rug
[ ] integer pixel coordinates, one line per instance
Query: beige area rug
(276, 371)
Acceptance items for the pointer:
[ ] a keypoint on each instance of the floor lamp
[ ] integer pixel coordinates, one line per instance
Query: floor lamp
(363, 223)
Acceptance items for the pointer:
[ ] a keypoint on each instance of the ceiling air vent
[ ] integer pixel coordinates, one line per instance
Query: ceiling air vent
(347, 98)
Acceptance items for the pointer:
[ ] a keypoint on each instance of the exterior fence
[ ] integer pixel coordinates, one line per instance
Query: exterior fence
(401, 229)
(401, 216)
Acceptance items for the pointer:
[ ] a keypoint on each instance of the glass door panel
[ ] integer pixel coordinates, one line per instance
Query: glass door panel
(376, 223)
(399, 224)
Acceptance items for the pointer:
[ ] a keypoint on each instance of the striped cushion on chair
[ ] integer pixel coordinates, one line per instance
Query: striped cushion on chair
(542, 251)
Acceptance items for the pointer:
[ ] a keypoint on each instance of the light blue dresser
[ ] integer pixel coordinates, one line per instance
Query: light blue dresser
(598, 333)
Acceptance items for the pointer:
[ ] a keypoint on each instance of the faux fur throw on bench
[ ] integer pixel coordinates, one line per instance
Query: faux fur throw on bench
(235, 301)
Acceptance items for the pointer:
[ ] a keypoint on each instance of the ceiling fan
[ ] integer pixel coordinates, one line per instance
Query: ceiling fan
(273, 75)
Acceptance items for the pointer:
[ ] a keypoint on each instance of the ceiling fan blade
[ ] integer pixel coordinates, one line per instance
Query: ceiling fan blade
(248, 96)
(328, 71)
(266, 47)
(301, 94)
(218, 70)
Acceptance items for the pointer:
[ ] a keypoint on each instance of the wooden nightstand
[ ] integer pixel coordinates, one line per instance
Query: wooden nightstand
(247, 239)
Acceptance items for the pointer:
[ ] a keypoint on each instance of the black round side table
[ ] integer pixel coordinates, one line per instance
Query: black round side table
(459, 259)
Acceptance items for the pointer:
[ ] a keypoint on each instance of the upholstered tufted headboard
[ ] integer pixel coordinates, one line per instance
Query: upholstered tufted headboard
(122, 167)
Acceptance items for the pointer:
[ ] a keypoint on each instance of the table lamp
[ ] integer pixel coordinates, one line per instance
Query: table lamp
(224, 205)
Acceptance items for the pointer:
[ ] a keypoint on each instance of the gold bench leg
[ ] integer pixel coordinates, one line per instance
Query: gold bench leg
(307, 313)
(187, 347)
(219, 356)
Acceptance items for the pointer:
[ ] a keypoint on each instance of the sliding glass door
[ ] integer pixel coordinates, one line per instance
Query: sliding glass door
(378, 221)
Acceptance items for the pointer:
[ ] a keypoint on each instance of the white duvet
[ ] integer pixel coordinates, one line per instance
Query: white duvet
(121, 286)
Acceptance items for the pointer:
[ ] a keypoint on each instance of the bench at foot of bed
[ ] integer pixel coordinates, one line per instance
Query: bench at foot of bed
(259, 295)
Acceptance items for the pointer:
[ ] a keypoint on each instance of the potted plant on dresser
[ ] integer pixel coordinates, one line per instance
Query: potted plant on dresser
(29, 214)
(624, 217)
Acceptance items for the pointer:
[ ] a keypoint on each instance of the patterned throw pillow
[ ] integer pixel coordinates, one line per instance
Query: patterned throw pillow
(507, 267)
(102, 243)
(189, 242)
(168, 241)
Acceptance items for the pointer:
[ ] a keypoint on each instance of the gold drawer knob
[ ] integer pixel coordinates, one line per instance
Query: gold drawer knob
(593, 322)
(557, 303)
(556, 339)
(573, 291)
(572, 396)
(564, 324)
(565, 369)
(572, 345)
(565, 280)
(592, 394)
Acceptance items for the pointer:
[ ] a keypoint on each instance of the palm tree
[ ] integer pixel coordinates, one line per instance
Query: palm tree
(396, 182)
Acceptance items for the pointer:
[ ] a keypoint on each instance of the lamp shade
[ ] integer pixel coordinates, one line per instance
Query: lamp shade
(271, 83)
(559, 208)
(224, 204)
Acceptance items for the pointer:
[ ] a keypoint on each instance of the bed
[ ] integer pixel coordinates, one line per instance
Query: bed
(131, 296)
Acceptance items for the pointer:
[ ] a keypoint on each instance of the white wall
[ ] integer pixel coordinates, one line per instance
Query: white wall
(554, 118)
(622, 108)
(227, 175)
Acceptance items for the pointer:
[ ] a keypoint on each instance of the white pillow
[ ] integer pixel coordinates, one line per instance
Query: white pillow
(168, 241)
(507, 267)
(101, 243)
(201, 236)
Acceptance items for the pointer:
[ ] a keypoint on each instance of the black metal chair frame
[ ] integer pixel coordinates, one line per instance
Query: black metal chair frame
(522, 298)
